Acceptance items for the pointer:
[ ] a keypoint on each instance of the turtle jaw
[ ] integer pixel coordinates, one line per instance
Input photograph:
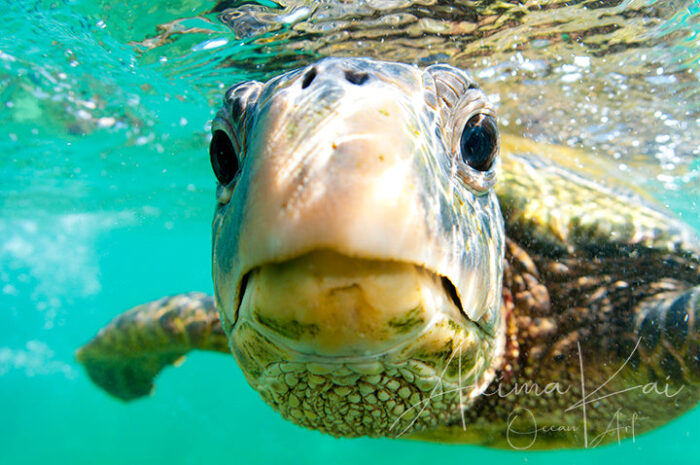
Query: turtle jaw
(357, 347)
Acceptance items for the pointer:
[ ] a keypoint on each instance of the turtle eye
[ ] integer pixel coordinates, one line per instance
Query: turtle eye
(224, 159)
(478, 144)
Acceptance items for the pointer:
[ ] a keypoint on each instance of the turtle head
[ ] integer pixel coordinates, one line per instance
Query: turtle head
(358, 243)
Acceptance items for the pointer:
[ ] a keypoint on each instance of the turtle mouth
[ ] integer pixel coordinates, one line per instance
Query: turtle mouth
(448, 287)
(357, 347)
(327, 304)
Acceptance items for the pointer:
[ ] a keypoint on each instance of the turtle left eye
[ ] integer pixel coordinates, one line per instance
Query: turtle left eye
(478, 144)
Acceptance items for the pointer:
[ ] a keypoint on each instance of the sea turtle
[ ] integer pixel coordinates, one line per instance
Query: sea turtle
(368, 284)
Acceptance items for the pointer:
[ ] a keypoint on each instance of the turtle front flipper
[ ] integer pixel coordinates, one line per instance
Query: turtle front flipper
(125, 356)
(659, 378)
(668, 332)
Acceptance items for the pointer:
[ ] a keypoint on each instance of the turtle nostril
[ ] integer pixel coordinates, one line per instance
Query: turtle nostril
(308, 78)
(356, 78)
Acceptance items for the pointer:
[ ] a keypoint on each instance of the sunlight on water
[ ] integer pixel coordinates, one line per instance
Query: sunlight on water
(106, 193)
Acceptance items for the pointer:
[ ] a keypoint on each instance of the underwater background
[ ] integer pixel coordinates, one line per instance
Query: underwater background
(106, 193)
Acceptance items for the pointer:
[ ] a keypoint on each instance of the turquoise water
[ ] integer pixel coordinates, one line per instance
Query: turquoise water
(106, 198)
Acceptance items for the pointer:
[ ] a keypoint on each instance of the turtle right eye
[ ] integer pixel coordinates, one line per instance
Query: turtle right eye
(224, 159)
(479, 142)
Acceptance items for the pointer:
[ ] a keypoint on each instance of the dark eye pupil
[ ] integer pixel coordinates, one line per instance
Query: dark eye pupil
(223, 157)
(478, 142)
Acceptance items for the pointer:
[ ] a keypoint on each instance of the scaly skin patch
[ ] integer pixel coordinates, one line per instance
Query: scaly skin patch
(413, 388)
